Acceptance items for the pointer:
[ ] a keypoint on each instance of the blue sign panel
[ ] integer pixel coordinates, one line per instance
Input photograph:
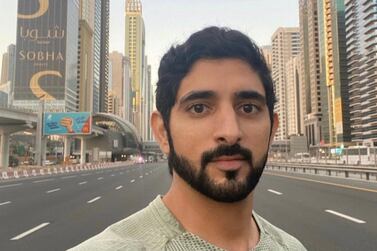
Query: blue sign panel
(67, 123)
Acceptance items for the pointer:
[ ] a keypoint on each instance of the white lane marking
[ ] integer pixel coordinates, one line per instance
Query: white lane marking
(132, 181)
(5, 203)
(86, 174)
(53, 190)
(82, 183)
(121, 173)
(119, 187)
(93, 200)
(68, 177)
(20, 236)
(141, 176)
(40, 181)
(146, 173)
(12, 185)
(100, 178)
(345, 216)
(275, 192)
(112, 175)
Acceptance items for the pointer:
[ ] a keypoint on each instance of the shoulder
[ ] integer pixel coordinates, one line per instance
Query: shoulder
(278, 236)
(143, 230)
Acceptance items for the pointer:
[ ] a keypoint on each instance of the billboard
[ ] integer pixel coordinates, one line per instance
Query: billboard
(41, 50)
(67, 123)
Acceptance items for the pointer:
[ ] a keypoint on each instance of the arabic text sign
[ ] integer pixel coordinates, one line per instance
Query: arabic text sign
(67, 123)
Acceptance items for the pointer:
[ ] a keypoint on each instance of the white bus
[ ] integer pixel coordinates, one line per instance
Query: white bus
(359, 155)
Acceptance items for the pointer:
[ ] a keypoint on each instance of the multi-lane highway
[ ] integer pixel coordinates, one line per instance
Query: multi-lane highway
(58, 212)
(324, 213)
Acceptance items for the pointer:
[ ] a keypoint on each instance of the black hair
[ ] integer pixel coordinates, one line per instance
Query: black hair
(209, 43)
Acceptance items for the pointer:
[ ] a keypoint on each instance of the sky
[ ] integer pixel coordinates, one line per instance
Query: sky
(169, 22)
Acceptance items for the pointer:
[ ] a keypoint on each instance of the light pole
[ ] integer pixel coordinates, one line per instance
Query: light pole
(40, 143)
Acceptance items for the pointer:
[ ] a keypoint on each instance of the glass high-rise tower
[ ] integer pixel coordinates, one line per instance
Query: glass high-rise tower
(135, 51)
(285, 45)
(334, 82)
(310, 72)
(361, 34)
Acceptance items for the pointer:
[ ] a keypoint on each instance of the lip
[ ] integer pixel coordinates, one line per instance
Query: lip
(229, 158)
(228, 163)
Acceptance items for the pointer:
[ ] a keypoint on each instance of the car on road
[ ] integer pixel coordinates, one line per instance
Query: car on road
(48, 162)
(139, 160)
(27, 162)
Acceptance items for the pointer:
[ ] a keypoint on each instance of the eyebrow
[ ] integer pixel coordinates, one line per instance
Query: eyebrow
(251, 95)
(195, 95)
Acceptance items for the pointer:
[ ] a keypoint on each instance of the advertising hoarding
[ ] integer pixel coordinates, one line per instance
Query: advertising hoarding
(41, 50)
(67, 123)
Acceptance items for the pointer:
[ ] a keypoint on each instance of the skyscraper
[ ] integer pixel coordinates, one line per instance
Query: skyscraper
(119, 82)
(310, 71)
(334, 82)
(85, 62)
(96, 54)
(8, 74)
(104, 56)
(4, 68)
(293, 96)
(361, 30)
(285, 45)
(8, 64)
(147, 104)
(127, 91)
(267, 53)
(134, 50)
(93, 60)
(46, 57)
(116, 84)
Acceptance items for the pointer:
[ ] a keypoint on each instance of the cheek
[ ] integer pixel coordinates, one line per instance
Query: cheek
(185, 137)
(257, 139)
(188, 139)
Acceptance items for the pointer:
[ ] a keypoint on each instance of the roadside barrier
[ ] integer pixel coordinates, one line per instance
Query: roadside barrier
(41, 171)
(354, 172)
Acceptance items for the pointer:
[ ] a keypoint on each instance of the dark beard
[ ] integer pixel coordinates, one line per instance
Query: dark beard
(232, 190)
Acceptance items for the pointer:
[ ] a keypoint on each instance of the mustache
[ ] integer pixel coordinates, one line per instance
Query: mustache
(226, 150)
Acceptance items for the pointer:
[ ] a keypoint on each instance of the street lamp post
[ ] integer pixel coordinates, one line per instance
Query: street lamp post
(40, 141)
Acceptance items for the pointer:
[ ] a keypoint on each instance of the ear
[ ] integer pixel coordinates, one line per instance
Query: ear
(275, 126)
(159, 131)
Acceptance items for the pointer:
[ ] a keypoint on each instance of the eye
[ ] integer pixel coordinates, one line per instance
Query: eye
(198, 109)
(249, 108)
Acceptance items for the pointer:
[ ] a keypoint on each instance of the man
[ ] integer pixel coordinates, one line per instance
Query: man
(215, 121)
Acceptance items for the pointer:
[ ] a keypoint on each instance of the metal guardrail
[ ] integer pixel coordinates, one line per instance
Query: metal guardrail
(367, 173)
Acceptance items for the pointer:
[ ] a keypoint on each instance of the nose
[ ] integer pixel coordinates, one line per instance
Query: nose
(227, 126)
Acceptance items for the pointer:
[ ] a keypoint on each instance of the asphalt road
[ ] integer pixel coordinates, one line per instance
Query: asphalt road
(58, 212)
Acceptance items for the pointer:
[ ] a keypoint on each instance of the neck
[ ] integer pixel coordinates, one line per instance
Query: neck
(226, 225)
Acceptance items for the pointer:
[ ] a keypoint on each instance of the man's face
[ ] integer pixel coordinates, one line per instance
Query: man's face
(220, 129)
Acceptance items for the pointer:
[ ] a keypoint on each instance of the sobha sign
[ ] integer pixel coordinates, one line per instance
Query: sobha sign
(41, 50)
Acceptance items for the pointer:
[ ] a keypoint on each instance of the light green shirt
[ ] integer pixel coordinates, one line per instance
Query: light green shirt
(155, 228)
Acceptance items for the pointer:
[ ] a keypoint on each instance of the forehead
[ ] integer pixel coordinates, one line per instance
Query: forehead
(222, 76)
